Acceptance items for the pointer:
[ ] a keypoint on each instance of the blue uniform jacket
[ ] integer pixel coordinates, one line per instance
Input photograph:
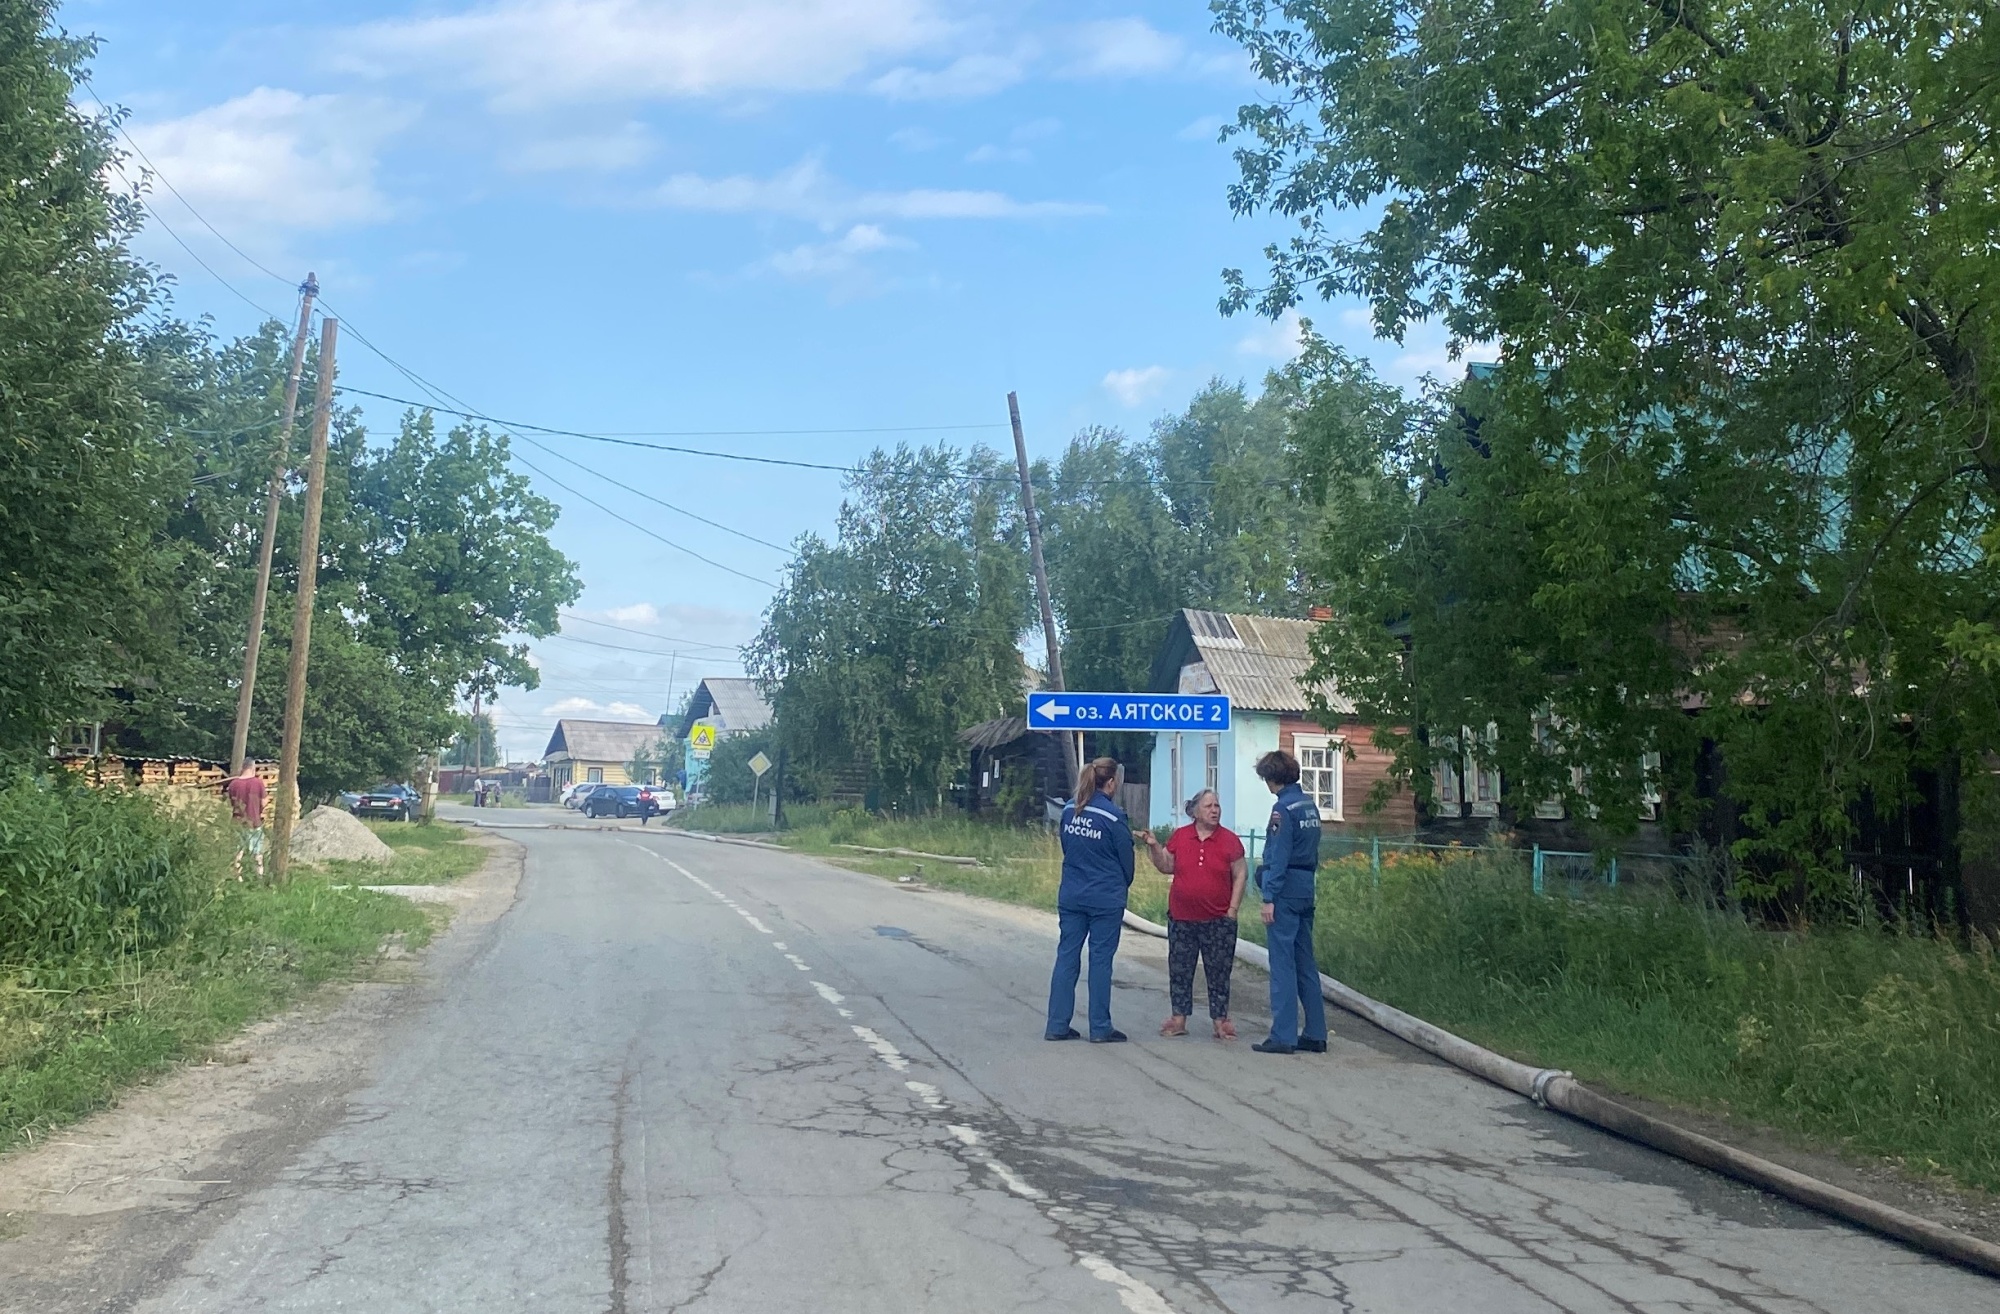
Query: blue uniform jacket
(1291, 848)
(1097, 856)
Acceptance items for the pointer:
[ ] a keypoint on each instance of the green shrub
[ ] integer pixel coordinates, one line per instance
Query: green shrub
(94, 872)
(1873, 1037)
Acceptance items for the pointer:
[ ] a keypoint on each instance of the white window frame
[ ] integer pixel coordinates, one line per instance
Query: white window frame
(1481, 801)
(1211, 774)
(1336, 749)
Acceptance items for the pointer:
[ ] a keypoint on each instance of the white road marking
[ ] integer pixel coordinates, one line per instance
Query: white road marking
(887, 1052)
(1132, 1293)
(1019, 1186)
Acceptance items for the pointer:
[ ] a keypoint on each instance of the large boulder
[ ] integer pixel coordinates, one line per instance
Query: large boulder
(330, 835)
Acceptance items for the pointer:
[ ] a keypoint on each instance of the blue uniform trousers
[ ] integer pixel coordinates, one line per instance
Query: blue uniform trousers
(1294, 973)
(1102, 929)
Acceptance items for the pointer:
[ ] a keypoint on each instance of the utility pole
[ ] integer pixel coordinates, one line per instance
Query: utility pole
(302, 606)
(1075, 751)
(478, 735)
(239, 744)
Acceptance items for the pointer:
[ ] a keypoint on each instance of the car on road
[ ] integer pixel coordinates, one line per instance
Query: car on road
(395, 802)
(621, 801)
(663, 798)
(574, 795)
(349, 800)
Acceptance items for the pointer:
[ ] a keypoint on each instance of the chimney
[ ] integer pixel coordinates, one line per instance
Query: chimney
(1319, 613)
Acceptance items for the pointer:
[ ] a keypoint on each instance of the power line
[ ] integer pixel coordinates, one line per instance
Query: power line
(650, 652)
(646, 634)
(657, 501)
(649, 533)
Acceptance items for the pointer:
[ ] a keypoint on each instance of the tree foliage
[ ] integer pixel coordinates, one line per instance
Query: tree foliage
(80, 470)
(883, 644)
(1736, 260)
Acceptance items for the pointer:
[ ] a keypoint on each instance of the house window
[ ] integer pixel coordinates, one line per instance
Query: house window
(595, 775)
(1212, 765)
(1650, 797)
(1174, 768)
(1450, 788)
(1484, 778)
(1320, 763)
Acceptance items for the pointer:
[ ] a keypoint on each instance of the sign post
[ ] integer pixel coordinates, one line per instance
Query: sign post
(758, 766)
(1128, 711)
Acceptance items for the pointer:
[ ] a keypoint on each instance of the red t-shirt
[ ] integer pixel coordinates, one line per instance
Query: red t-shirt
(1202, 879)
(246, 799)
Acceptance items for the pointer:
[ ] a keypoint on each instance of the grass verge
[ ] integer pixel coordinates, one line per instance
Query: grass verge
(1878, 1041)
(436, 853)
(71, 1035)
(1870, 1039)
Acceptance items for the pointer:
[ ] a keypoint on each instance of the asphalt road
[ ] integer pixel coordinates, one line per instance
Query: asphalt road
(682, 1075)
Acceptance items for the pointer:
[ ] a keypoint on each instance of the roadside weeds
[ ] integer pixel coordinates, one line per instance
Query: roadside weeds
(74, 1035)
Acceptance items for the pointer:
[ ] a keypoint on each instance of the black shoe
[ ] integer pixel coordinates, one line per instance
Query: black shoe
(1109, 1038)
(1273, 1047)
(1071, 1034)
(1307, 1045)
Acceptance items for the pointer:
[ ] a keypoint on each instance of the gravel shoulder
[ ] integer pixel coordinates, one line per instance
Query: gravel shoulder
(94, 1217)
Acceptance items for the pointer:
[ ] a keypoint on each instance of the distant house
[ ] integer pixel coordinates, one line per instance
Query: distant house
(728, 707)
(596, 750)
(1260, 662)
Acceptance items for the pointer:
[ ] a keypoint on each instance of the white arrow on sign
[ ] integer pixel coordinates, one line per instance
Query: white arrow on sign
(1053, 708)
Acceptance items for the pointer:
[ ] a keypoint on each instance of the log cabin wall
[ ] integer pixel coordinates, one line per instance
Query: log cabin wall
(1359, 775)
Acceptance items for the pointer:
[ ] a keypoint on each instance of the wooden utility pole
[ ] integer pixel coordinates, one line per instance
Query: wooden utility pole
(239, 744)
(478, 736)
(1075, 750)
(302, 606)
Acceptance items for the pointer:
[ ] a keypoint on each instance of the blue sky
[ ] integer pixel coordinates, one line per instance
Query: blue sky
(686, 215)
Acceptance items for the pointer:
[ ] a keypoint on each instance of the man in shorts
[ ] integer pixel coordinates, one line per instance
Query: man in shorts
(245, 793)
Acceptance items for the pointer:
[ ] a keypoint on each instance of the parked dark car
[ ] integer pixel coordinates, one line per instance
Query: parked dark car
(396, 802)
(621, 801)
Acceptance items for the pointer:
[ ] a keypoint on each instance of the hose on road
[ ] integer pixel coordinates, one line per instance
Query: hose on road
(1562, 1092)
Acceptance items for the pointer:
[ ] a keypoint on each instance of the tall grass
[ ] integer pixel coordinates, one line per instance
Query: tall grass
(1884, 1041)
(124, 945)
(87, 871)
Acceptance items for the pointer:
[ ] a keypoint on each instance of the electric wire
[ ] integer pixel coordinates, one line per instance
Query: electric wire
(649, 533)
(657, 501)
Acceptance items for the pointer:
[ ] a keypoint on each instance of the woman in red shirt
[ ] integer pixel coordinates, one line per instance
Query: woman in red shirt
(1209, 872)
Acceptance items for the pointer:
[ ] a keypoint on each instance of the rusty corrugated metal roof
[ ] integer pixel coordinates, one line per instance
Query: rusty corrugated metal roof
(1259, 661)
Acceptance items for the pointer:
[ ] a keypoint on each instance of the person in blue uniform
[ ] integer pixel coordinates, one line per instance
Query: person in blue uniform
(1285, 882)
(1090, 903)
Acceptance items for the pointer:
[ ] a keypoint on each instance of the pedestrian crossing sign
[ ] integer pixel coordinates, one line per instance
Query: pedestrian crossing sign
(701, 739)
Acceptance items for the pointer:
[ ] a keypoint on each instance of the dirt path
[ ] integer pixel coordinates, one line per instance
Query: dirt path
(93, 1218)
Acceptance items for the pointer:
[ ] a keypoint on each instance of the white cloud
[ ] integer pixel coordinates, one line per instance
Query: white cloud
(916, 139)
(807, 191)
(528, 53)
(1203, 129)
(591, 708)
(1121, 48)
(840, 259)
(622, 147)
(965, 78)
(1133, 387)
(1274, 340)
(273, 158)
(639, 613)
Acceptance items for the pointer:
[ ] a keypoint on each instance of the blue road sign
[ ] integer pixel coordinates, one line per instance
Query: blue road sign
(1127, 711)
